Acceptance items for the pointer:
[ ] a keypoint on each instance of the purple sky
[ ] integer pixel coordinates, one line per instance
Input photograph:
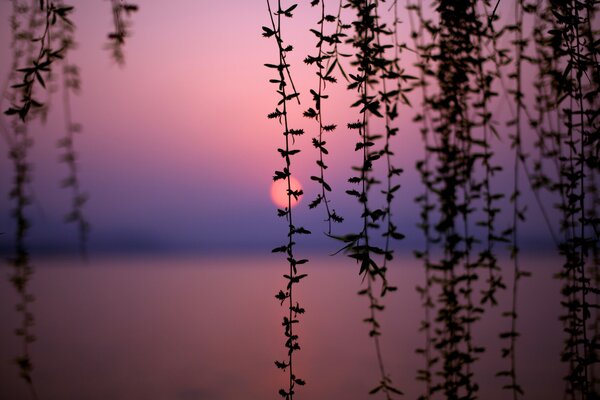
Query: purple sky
(176, 150)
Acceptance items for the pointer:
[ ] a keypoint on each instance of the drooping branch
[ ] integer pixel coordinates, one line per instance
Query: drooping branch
(292, 277)
(325, 76)
(121, 13)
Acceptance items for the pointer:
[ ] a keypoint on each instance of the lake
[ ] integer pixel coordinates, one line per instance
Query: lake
(209, 327)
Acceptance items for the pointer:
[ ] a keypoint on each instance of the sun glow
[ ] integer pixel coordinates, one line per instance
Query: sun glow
(279, 192)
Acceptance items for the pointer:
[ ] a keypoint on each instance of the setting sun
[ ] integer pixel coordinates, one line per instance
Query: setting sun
(279, 192)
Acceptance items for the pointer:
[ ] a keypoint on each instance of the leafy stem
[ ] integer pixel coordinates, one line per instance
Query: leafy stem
(293, 277)
(121, 12)
(41, 64)
(317, 112)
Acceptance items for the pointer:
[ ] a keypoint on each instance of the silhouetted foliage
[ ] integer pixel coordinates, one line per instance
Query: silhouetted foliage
(326, 62)
(42, 36)
(287, 94)
(121, 12)
(469, 57)
(33, 44)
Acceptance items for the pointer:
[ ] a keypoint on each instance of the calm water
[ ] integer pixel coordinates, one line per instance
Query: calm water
(210, 328)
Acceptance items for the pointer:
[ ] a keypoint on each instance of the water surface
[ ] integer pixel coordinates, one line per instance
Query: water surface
(186, 328)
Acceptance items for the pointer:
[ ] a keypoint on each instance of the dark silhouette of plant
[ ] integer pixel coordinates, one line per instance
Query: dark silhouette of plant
(463, 65)
(121, 12)
(40, 53)
(454, 184)
(567, 126)
(281, 113)
(372, 66)
(511, 335)
(390, 73)
(422, 49)
(461, 53)
(325, 70)
(71, 85)
(485, 79)
(42, 36)
(594, 328)
(41, 63)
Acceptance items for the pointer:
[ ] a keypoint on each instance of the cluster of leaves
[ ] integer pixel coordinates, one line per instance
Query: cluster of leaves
(281, 114)
(374, 71)
(326, 62)
(520, 44)
(41, 64)
(567, 124)
(42, 36)
(453, 182)
(423, 49)
(391, 74)
(460, 51)
(122, 12)
(71, 84)
(373, 68)
(40, 53)
(460, 48)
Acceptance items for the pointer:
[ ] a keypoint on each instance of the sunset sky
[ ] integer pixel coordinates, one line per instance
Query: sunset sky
(176, 151)
(182, 298)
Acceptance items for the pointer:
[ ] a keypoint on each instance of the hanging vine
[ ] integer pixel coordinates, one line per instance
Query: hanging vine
(71, 84)
(121, 12)
(571, 20)
(485, 79)
(418, 25)
(42, 37)
(39, 53)
(567, 98)
(461, 53)
(518, 210)
(370, 61)
(325, 69)
(390, 73)
(454, 152)
(281, 113)
(40, 64)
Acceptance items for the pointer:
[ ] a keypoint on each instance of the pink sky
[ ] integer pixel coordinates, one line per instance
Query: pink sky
(176, 148)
